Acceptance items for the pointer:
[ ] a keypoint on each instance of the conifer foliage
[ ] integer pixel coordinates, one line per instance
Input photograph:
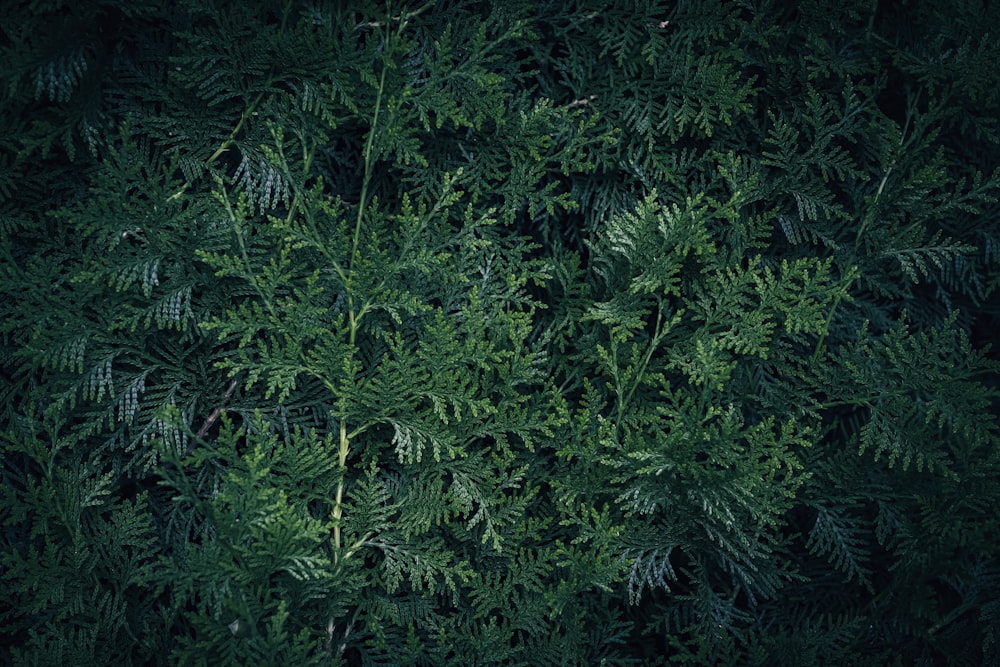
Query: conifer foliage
(453, 333)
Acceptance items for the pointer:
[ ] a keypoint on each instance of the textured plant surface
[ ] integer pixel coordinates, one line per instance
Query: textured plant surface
(464, 333)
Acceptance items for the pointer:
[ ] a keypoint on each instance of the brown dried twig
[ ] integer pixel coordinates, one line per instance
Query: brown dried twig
(207, 424)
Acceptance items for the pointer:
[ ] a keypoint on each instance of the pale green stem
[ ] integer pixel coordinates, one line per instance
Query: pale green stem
(354, 316)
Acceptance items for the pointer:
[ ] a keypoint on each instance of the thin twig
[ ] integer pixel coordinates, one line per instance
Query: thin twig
(207, 424)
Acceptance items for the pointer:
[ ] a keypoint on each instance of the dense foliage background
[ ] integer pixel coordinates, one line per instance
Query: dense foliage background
(499, 333)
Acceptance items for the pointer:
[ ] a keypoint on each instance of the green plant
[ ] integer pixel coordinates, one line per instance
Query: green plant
(476, 333)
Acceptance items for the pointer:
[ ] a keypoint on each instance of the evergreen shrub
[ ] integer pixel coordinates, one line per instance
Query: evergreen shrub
(521, 333)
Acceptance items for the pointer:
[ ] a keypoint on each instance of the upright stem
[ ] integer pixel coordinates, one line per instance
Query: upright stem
(814, 359)
(338, 508)
(354, 315)
(345, 448)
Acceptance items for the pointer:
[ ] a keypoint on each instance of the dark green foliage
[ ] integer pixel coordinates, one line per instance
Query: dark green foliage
(457, 333)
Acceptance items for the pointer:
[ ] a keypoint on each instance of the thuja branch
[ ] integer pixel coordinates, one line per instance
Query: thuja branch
(401, 19)
(354, 316)
(659, 333)
(842, 294)
(225, 146)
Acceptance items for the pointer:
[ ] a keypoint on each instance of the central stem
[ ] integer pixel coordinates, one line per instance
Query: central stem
(338, 508)
(354, 316)
(345, 448)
